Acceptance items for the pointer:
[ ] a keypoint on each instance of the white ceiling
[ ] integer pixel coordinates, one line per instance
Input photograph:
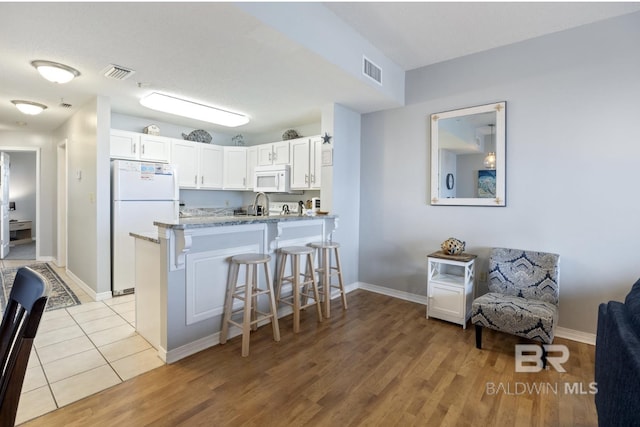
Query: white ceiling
(218, 54)
(415, 34)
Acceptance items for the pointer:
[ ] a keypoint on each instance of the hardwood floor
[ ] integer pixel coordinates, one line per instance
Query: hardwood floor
(379, 363)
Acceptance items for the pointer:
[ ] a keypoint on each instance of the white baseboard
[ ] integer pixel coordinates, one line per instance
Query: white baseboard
(573, 335)
(87, 289)
(420, 299)
(194, 347)
(210, 340)
(46, 259)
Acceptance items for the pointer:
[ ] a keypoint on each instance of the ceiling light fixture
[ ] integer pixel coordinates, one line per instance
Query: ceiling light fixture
(180, 107)
(28, 107)
(55, 72)
(490, 160)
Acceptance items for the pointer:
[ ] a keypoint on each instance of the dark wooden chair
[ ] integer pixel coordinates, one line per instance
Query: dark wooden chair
(19, 326)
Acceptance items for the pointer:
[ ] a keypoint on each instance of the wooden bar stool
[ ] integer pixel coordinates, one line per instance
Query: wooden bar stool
(248, 293)
(325, 271)
(300, 288)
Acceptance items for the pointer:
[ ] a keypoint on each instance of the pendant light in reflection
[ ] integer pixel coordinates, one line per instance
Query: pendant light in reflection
(490, 159)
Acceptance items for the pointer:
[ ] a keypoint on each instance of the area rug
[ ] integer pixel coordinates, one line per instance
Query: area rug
(60, 297)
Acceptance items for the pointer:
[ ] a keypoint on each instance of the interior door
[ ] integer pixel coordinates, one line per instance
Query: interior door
(4, 205)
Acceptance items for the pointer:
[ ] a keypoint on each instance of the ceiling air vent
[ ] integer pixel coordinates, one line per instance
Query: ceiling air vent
(65, 105)
(117, 72)
(371, 70)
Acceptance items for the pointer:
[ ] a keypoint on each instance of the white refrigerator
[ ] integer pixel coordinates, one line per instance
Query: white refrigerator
(141, 193)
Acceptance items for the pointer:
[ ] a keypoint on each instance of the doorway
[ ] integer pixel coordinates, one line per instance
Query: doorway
(24, 199)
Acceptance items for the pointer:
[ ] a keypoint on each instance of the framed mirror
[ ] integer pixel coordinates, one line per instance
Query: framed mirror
(468, 157)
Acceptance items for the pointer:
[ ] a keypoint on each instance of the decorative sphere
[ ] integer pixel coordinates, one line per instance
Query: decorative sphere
(452, 246)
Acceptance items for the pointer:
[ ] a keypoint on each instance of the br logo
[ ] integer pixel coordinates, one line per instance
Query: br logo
(529, 357)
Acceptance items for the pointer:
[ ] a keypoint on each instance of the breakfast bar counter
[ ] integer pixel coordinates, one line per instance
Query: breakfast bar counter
(193, 263)
(220, 221)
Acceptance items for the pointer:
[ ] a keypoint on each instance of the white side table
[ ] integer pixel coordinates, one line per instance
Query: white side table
(450, 284)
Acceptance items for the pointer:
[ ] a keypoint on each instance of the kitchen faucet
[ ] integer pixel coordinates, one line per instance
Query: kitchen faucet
(265, 209)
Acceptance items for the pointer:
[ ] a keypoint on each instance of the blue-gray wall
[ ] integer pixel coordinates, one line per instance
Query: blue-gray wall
(573, 144)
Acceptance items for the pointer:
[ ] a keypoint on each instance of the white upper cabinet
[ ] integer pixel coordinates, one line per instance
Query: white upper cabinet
(211, 164)
(199, 165)
(135, 146)
(155, 148)
(184, 156)
(123, 144)
(252, 162)
(276, 153)
(235, 168)
(306, 163)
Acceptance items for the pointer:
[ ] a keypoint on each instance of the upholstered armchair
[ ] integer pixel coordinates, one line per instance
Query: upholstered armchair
(523, 295)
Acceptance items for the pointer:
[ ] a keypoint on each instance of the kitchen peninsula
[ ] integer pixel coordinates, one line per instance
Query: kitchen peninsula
(181, 274)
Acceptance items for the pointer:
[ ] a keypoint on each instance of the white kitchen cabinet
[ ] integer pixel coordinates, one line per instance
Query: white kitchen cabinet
(155, 148)
(211, 166)
(137, 146)
(199, 165)
(306, 163)
(252, 162)
(275, 153)
(184, 156)
(235, 168)
(450, 285)
(204, 269)
(123, 144)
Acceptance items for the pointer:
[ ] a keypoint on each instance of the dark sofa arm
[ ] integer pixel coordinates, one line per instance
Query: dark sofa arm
(617, 367)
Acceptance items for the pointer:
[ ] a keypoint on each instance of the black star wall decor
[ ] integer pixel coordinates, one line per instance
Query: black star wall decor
(326, 139)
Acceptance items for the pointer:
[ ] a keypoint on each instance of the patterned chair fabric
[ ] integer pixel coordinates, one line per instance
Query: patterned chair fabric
(523, 295)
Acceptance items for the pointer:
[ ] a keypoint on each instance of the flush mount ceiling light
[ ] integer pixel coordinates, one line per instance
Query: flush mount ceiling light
(28, 107)
(55, 72)
(180, 107)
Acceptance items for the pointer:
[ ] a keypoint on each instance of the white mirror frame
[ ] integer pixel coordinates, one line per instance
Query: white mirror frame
(500, 144)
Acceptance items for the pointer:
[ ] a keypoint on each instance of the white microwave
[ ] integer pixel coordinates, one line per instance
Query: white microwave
(272, 179)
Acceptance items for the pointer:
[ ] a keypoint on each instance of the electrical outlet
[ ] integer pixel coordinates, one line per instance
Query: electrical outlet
(226, 203)
(483, 276)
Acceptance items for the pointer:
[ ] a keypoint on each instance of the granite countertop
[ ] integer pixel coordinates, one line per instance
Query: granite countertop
(217, 221)
(149, 236)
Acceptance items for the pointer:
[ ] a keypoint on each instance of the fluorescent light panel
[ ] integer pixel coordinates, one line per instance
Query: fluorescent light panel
(180, 107)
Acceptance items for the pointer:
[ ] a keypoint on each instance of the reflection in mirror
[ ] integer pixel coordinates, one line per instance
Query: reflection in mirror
(468, 156)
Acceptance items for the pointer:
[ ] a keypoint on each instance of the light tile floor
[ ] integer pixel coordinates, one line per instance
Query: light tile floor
(82, 350)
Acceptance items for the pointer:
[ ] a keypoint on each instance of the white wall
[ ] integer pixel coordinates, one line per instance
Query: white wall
(572, 161)
(89, 218)
(341, 183)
